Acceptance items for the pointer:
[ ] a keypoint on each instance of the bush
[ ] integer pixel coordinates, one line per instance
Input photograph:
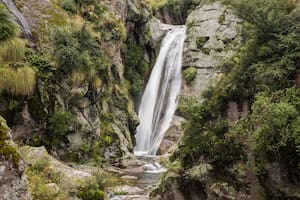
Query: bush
(76, 54)
(59, 124)
(91, 189)
(39, 175)
(190, 74)
(7, 27)
(42, 63)
(136, 70)
(276, 136)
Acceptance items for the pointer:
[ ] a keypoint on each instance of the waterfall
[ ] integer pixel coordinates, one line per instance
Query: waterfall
(21, 19)
(158, 103)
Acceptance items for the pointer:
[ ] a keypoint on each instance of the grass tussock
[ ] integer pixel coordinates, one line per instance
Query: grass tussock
(12, 50)
(20, 81)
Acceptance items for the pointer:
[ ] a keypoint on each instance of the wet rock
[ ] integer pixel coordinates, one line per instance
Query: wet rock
(129, 177)
(126, 189)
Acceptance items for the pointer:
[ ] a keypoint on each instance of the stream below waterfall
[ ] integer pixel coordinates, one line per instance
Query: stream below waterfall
(137, 183)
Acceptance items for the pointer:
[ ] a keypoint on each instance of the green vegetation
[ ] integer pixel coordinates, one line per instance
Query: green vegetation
(7, 28)
(59, 124)
(17, 78)
(44, 182)
(19, 81)
(78, 56)
(155, 4)
(12, 50)
(265, 74)
(189, 74)
(200, 41)
(91, 189)
(7, 151)
(136, 69)
(178, 9)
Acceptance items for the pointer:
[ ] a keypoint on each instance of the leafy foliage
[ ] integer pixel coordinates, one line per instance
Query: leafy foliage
(190, 74)
(40, 174)
(92, 189)
(136, 69)
(77, 55)
(265, 73)
(276, 135)
(59, 124)
(178, 9)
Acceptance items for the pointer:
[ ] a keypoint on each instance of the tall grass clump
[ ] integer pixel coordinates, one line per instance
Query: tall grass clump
(20, 81)
(12, 50)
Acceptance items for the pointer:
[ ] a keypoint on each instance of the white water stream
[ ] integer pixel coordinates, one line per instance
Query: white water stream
(159, 100)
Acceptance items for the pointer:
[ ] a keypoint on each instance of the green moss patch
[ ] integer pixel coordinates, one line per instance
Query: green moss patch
(7, 151)
(190, 74)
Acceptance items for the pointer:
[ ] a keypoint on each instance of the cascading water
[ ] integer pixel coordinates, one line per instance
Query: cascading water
(158, 103)
(22, 20)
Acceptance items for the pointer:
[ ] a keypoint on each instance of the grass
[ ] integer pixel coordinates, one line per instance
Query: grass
(156, 4)
(20, 81)
(12, 50)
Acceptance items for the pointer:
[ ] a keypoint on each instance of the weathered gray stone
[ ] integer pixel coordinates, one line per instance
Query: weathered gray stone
(222, 28)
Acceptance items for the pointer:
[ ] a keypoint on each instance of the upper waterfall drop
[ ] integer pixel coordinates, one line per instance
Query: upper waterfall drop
(158, 103)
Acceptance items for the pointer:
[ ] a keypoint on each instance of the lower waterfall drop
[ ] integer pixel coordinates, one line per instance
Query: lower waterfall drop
(158, 103)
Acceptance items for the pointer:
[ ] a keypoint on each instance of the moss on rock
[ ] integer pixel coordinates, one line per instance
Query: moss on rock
(190, 74)
(7, 151)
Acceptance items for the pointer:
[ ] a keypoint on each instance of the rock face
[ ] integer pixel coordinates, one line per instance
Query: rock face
(212, 38)
(13, 184)
(69, 176)
(94, 112)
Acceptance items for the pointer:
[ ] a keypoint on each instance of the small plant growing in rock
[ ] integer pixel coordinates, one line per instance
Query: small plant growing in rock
(200, 41)
(190, 74)
(91, 189)
(59, 124)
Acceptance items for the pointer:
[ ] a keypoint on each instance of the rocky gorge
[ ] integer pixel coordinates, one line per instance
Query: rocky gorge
(69, 132)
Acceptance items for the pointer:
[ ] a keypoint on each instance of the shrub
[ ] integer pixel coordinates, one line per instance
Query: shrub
(7, 27)
(276, 135)
(78, 55)
(190, 74)
(20, 81)
(42, 63)
(91, 189)
(39, 175)
(136, 70)
(59, 124)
